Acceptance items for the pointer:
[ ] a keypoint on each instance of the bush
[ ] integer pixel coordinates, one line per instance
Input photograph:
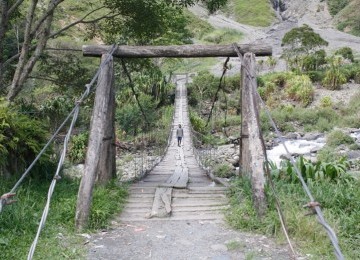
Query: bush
(78, 145)
(21, 139)
(313, 61)
(337, 137)
(346, 53)
(300, 88)
(334, 76)
(223, 171)
(325, 102)
(198, 123)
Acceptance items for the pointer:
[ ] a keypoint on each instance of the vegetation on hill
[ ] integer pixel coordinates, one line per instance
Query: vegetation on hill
(346, 14)
(256, 13)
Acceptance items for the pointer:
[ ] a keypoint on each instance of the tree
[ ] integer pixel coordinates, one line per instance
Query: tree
(301, 42)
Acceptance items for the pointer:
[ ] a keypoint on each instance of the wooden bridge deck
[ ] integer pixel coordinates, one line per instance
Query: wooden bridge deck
(177, 188)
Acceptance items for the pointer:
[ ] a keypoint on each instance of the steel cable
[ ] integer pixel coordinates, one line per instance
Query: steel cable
(320, 217)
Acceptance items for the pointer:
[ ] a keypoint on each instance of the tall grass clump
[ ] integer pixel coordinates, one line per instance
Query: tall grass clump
(58, 240)
(339, 197)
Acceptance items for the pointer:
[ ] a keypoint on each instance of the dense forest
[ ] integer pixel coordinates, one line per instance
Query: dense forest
(43, 74)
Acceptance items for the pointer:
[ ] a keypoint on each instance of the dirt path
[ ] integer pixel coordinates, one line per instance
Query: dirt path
(181, 240)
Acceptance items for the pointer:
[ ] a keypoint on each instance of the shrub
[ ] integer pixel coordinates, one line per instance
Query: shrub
(21, 139)
(78, 147)
(309, 171)
(334, 76)
(300, 88)
(337, 137)
(325, 102)
(197, 123)
(313, 61)
(346, 53)
(223, 171)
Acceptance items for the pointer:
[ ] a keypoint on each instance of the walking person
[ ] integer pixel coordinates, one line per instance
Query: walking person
(179, 134)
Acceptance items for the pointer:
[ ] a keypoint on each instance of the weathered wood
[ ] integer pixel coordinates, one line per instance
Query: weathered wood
(177, 51)
(107, 160)
(244, 131)
(162, 203)
(256, 147)
(97, 134)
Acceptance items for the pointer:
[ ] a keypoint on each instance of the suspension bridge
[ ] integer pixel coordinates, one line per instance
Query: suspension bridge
(177, 189)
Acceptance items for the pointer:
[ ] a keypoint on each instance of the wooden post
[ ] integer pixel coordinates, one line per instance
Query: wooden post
(252, 150)
(98, 130)
(107, 160)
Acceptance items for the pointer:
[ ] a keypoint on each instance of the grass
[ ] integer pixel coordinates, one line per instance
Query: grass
(340, 202)
(58, 239)
(348, 18)
(256, 13)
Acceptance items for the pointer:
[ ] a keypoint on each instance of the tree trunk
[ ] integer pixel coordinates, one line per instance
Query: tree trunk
(26, 61)
(98, 129)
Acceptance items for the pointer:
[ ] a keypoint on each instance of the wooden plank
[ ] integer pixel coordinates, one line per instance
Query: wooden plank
(177, 51)
(162, 203)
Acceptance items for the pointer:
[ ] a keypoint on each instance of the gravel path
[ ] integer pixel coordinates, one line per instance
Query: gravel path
(181, 240)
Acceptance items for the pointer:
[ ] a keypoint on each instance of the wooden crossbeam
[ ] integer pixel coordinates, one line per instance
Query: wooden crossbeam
(177, 51)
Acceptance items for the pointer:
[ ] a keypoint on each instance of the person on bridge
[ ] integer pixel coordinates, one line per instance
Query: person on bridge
(179, 134)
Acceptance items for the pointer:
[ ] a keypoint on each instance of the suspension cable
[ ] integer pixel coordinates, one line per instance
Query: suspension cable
(314, 206)
(225, 68)
(132, 86)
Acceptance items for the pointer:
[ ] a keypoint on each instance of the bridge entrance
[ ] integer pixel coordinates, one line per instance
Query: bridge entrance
(100, 158)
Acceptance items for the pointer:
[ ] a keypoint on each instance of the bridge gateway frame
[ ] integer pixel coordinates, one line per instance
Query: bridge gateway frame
(100, 157)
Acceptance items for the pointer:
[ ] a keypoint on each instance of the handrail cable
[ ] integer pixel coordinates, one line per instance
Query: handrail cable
(4, 197)
(63, 154)
(225, 68)
(313, 205)
(74, 114)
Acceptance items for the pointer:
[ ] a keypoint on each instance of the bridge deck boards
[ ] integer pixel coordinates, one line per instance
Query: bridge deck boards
(177, 188)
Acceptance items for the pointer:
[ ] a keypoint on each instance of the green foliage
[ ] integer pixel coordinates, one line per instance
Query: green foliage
(223, 36)
(58, 239)
(223, 171)
(338, 137)
(335, 6)
(21, 139)
(55, 109)
(300, 88)
(310, 172)
(203, 87)
(67, 71)
(326, 102)
(303, 40)
(102, 208)
(197, 26)
(78, 145)
(348, 19)
(328, 154)
(314, 119)
(340, 202)
(131, 119)
(273, 86)
(334, 77)
(198, 124)
(256, 13)
(313, 61)
(346, 53)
